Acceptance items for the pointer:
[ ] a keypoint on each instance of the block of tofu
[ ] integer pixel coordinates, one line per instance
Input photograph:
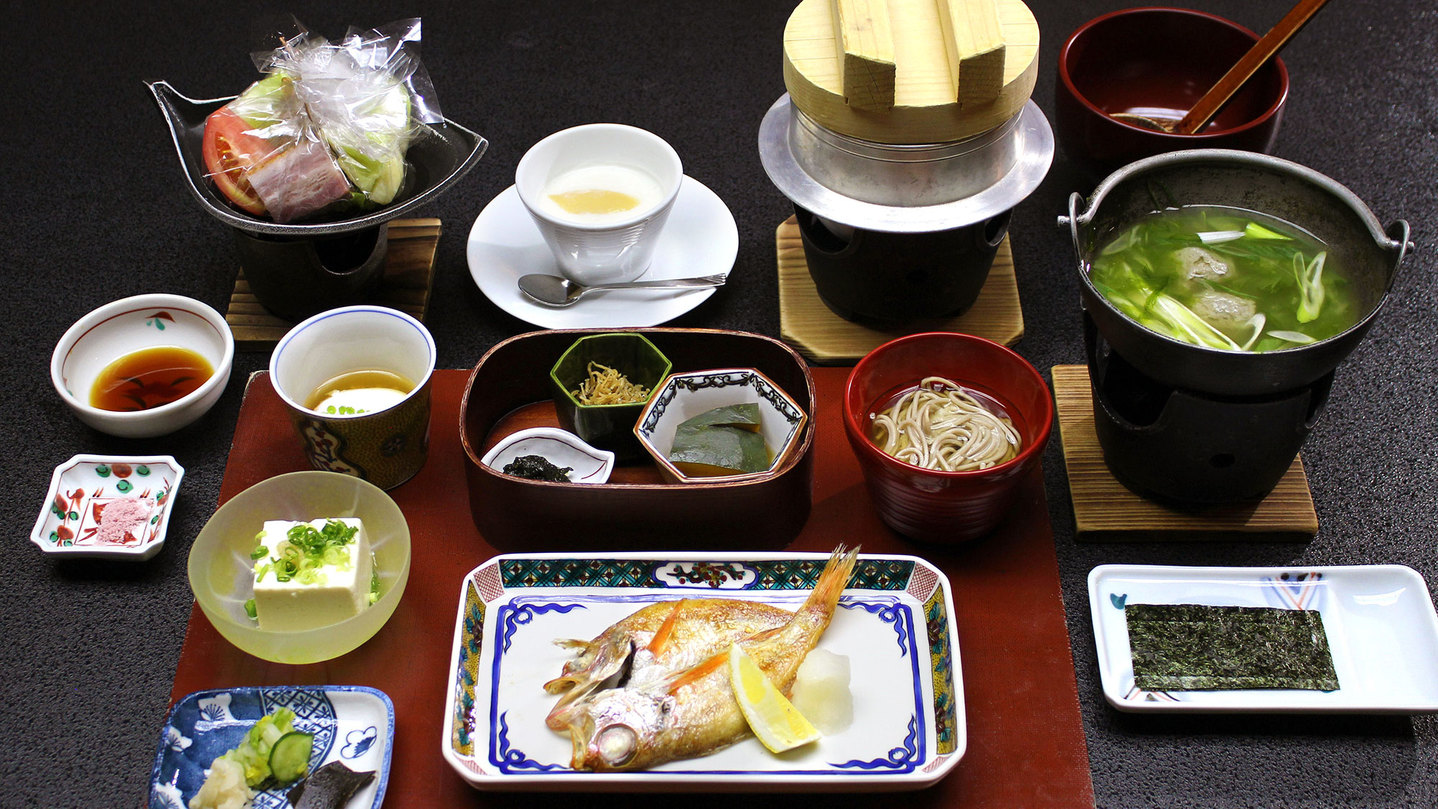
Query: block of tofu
(339, 591)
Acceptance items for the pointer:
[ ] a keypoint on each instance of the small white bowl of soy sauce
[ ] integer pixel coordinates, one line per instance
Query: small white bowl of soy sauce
(145, 365)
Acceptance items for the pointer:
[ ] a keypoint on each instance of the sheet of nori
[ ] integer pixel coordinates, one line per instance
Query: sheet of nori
(1194, 647)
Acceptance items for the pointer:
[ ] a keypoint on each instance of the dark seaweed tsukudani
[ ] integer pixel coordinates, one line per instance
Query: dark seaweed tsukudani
(537, 467)
(1193, 647)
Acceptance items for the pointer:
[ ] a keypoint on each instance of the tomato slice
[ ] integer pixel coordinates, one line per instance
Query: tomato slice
(230, 151)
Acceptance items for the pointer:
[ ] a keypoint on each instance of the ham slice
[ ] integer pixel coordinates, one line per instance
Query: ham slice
(298, 181)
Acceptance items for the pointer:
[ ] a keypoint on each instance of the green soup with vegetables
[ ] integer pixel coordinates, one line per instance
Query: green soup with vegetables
(1225, 278)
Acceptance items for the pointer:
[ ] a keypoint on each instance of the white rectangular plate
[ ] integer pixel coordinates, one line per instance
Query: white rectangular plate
(893, 622)
(1381, 626)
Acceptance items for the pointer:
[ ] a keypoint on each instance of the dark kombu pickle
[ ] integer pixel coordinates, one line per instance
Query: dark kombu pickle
(328, 787)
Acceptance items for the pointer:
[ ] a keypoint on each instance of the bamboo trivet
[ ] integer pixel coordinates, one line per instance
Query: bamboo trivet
(825, 338)
(406, 284)
(1104, 510)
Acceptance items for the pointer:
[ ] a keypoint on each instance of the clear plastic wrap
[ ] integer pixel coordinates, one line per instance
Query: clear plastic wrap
(326, 130)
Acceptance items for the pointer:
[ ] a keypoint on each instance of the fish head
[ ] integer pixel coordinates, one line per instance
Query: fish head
(595, 663)
(617, 729)
(606, 665)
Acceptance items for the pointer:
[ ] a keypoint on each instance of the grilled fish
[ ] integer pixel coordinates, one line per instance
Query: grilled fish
(654, 687)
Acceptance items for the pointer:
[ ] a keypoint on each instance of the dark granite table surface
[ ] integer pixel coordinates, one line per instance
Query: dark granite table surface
(97, 211)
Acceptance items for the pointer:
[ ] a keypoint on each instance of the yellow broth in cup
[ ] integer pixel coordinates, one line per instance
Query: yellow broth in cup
(356, 392)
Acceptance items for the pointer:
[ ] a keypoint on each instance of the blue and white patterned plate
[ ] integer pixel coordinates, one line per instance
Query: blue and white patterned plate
(893, 623)
(352, 724)
(1381, 626)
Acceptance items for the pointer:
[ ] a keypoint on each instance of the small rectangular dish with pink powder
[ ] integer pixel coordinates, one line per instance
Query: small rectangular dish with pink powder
(109, 506)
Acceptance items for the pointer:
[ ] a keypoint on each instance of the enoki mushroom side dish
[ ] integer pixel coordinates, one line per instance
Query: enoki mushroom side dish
(606, 386)
(941, 426)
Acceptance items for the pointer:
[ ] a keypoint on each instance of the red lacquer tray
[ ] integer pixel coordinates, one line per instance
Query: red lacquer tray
(1025, 738)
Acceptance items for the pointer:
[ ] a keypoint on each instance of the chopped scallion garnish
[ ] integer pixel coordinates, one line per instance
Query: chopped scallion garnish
(1310, 286)
(1220, 236)
(306, 551)
(1257, 231)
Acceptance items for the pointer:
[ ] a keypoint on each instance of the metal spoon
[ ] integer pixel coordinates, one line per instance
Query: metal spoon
(552, 290)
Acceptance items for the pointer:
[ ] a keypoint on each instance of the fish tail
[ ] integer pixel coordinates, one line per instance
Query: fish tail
(800, 633)
(832, 581)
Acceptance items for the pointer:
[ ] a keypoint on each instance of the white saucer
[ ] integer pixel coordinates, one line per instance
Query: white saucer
(699, 239)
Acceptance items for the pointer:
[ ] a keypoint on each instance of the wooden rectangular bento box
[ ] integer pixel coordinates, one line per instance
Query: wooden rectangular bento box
(509, 391)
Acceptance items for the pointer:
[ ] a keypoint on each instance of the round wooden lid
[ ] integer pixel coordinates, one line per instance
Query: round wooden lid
(911, 71)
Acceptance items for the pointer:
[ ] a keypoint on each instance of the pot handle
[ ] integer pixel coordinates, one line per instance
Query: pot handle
(1073, 220)
(1398, 231)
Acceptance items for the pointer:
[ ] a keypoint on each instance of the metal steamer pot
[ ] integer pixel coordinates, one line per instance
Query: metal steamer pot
(895, 233)
(1370, 255)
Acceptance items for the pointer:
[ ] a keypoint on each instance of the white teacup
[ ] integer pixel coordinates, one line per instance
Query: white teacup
(600, 194)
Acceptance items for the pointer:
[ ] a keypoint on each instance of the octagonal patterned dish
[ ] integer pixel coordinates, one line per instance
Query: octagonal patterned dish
(108, 506)
(893, 622)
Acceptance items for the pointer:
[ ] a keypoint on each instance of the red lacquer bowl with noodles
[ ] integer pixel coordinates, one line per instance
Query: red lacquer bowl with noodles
(945, 426)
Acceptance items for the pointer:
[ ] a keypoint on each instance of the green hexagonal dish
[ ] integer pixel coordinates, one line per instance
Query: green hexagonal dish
(609, 427)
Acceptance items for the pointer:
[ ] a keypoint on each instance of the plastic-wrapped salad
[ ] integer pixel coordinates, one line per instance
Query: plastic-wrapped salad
(326, 130)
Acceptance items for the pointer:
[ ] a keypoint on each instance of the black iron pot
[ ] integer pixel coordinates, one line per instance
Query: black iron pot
(901, 233)
(1370, 255)
(298, 277)
(1187, 448)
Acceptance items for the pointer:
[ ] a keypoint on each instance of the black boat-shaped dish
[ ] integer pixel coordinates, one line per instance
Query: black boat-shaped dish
(434, 162)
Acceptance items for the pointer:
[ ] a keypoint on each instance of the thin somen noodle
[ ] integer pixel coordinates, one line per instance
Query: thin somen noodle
(941, 426)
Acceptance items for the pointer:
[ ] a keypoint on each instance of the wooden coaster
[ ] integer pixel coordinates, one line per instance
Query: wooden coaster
(408, 272)
(1104, 510)
(825, 338)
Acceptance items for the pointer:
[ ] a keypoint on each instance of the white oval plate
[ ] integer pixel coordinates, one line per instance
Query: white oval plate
(1380, 622)
(893, 622)
(700, 238)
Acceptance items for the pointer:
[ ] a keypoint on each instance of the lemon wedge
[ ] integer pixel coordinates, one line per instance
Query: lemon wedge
(776, 722)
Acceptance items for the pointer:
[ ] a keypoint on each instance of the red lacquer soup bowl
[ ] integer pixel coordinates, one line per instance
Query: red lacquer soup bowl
(1157, 63)
(946, 506)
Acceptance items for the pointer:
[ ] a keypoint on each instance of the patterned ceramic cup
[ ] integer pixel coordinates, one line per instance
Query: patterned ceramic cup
(384, 442)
